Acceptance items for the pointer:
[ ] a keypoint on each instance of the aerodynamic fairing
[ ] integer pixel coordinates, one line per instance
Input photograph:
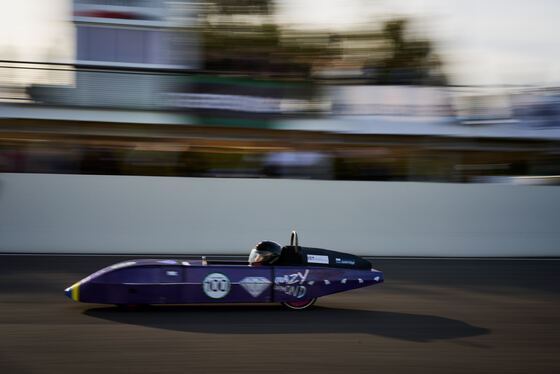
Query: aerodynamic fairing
(292, 275)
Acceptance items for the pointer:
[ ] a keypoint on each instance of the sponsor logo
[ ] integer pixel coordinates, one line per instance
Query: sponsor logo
(255, 286)
(292, 284)
(344, 261)
(317, 259)
(216, 285)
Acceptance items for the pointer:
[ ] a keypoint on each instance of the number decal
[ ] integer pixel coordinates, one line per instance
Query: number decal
(216, 285)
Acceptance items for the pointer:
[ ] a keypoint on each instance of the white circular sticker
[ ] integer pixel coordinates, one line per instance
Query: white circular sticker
(216, 285)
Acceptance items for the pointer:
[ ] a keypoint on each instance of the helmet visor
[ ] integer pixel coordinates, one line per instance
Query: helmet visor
(261, 257)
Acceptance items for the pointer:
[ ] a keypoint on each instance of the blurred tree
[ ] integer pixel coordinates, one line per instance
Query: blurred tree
(401, 60)
(242, 36)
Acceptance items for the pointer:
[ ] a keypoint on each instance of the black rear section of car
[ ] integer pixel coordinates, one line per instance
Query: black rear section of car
(297, 256)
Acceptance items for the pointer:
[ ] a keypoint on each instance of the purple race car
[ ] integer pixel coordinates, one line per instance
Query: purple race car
(292, 275)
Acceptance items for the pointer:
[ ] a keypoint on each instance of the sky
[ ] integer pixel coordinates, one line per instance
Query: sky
(36, 30)
(482, 42)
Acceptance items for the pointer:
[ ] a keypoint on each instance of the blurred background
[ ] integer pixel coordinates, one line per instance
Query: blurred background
(378, 90)
(425, 131)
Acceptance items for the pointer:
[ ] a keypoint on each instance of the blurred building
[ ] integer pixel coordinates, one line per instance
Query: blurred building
(135, 33)
(539, 109)
(123, 50)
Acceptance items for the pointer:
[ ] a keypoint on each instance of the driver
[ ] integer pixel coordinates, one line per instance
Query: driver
(265, 253)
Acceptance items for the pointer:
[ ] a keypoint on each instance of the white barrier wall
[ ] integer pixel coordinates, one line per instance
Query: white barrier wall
(129, 214)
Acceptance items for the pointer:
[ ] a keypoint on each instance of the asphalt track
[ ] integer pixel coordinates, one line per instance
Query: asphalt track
(430, 316)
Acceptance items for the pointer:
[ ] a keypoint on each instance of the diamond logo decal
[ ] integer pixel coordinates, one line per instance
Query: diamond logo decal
(255, 285)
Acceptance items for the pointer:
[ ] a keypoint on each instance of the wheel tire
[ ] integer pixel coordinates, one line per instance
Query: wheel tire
(300, 305)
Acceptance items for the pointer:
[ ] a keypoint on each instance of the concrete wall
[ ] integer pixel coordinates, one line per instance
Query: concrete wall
(128, 214)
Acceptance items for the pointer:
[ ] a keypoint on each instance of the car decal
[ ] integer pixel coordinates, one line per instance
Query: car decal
(216, 285)
(255, 286)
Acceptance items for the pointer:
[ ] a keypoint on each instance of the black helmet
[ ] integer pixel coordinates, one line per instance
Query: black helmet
(265, 253)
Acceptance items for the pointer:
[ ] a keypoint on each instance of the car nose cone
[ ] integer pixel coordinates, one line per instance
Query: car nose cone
(73, 292)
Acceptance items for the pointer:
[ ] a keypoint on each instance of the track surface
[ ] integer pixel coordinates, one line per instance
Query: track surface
(431, 316)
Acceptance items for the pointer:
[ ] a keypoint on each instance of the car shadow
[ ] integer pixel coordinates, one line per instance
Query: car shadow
(273, 319)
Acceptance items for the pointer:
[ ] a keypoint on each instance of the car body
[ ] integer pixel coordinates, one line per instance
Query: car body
(297, 280)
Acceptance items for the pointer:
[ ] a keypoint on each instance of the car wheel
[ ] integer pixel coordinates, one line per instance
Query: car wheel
(299, 305)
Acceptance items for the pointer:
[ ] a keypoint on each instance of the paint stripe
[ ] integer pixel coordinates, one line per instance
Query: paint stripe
(76, 292)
